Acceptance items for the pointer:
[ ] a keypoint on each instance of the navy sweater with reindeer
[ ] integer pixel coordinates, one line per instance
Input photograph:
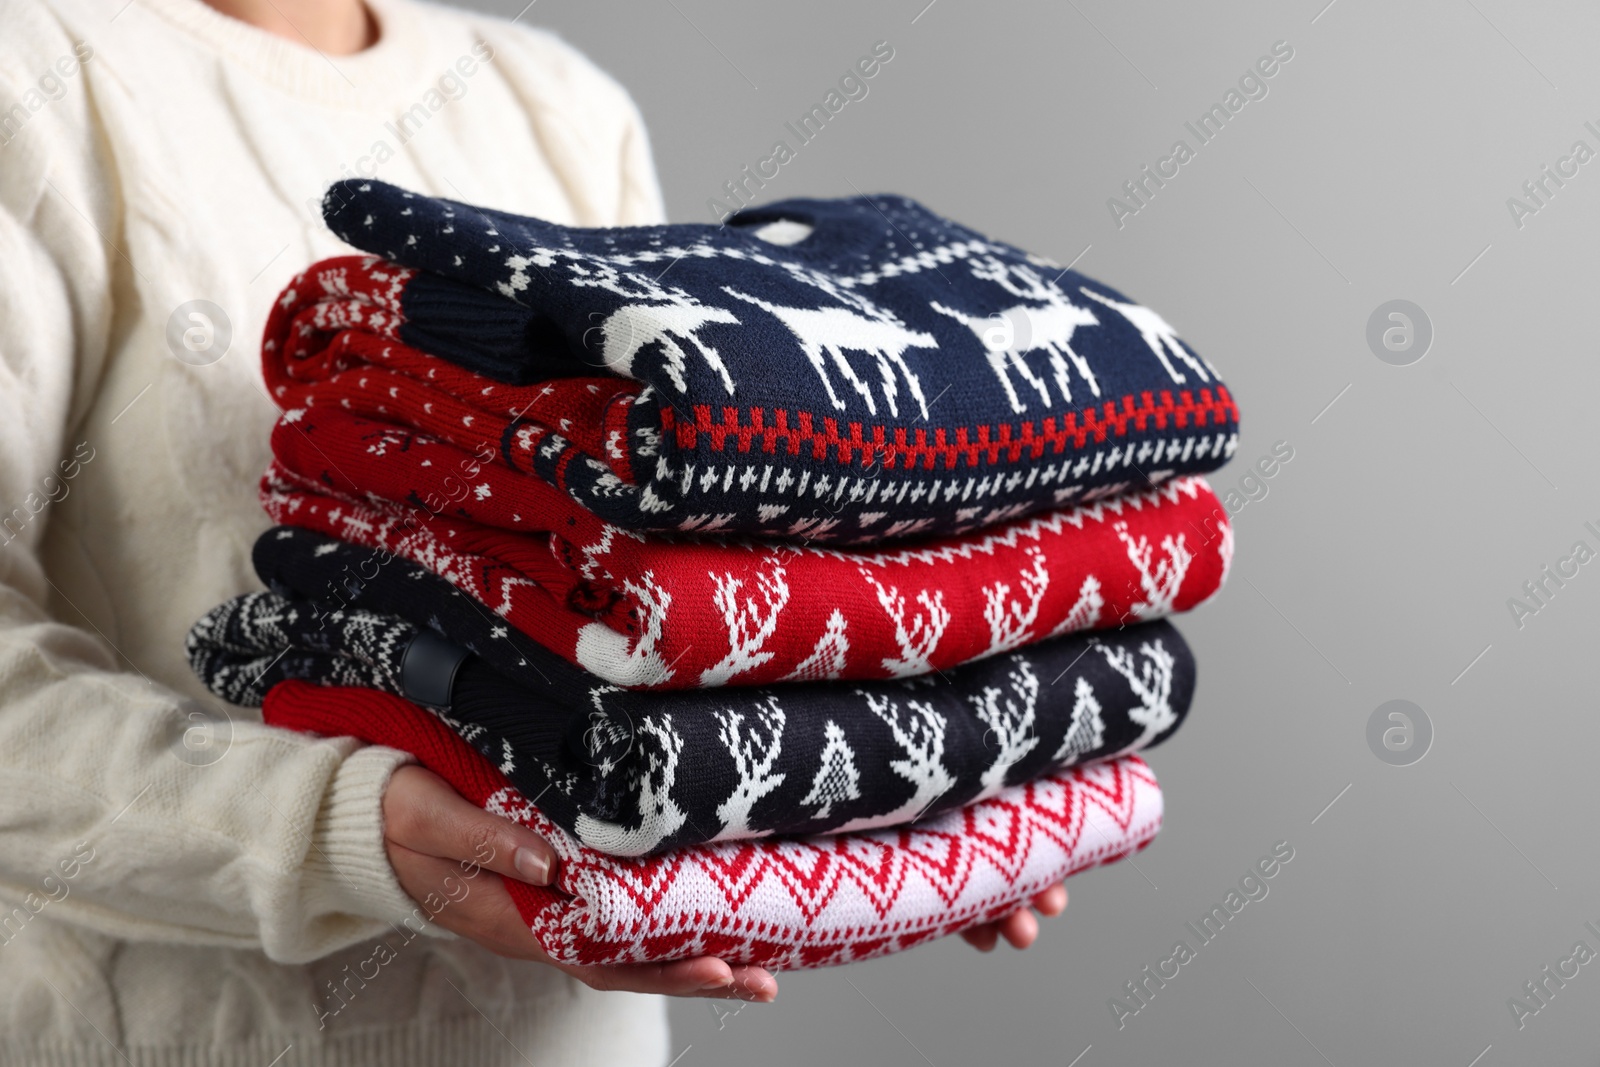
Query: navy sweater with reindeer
(832, 756)
(847, 370)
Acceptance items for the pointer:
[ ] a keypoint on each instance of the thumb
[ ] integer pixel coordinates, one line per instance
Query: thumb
(423, 813)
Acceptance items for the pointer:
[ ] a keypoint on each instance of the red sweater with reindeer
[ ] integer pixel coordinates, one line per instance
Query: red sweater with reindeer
(646, 612)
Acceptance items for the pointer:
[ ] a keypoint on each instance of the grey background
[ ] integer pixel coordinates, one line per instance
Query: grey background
(1378, 566)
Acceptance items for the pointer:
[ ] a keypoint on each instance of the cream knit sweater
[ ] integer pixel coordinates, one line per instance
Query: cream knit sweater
(174, 890)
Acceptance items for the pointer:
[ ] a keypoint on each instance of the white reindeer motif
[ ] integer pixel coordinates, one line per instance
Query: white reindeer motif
(1011, 621)
(754, 749)
(1087, 731)
(603, 651)
(1008, 336)
(1151, 682)
(1010, 720)
(660, 815)
(1157, 334)
(750, 624)
(920, 734)
(917, 636)
(833, 331)
(1161, 585)
(670, 318)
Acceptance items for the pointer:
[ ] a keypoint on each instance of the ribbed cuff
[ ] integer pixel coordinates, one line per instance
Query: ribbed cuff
(347, 870)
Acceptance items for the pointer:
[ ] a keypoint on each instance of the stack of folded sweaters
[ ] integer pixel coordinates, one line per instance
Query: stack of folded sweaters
(801, 580)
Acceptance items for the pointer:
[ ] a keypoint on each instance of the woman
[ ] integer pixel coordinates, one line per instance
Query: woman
(178, 887)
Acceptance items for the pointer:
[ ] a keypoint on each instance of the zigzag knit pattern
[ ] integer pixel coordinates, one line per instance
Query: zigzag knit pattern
(648, 612)
(783, 903)
(632, 773)
(893, 373)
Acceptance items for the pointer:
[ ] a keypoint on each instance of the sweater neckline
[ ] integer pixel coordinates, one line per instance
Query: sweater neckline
(301, 70)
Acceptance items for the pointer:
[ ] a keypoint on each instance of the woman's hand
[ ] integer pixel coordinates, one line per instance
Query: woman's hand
(1019, 928)
(449, 855)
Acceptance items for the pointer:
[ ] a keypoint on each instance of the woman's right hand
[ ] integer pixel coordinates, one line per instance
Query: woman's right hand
(445, 848)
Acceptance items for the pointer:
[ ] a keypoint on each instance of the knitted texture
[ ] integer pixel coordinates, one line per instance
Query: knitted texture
(652, 613)
(784, 903)
(632, 773)
(892, 373)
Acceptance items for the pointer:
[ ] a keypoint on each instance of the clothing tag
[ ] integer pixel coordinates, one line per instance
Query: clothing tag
(784, 232)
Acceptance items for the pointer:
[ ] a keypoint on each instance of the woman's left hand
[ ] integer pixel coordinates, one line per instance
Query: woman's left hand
(1019, 928)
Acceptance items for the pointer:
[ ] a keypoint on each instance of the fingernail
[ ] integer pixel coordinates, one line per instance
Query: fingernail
(534, 868)
(718, 983)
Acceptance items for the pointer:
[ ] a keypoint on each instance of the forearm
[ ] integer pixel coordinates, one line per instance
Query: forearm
(195, 829)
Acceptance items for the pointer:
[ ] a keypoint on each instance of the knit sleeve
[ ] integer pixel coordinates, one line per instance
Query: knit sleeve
(640, 203)
(120, 808)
